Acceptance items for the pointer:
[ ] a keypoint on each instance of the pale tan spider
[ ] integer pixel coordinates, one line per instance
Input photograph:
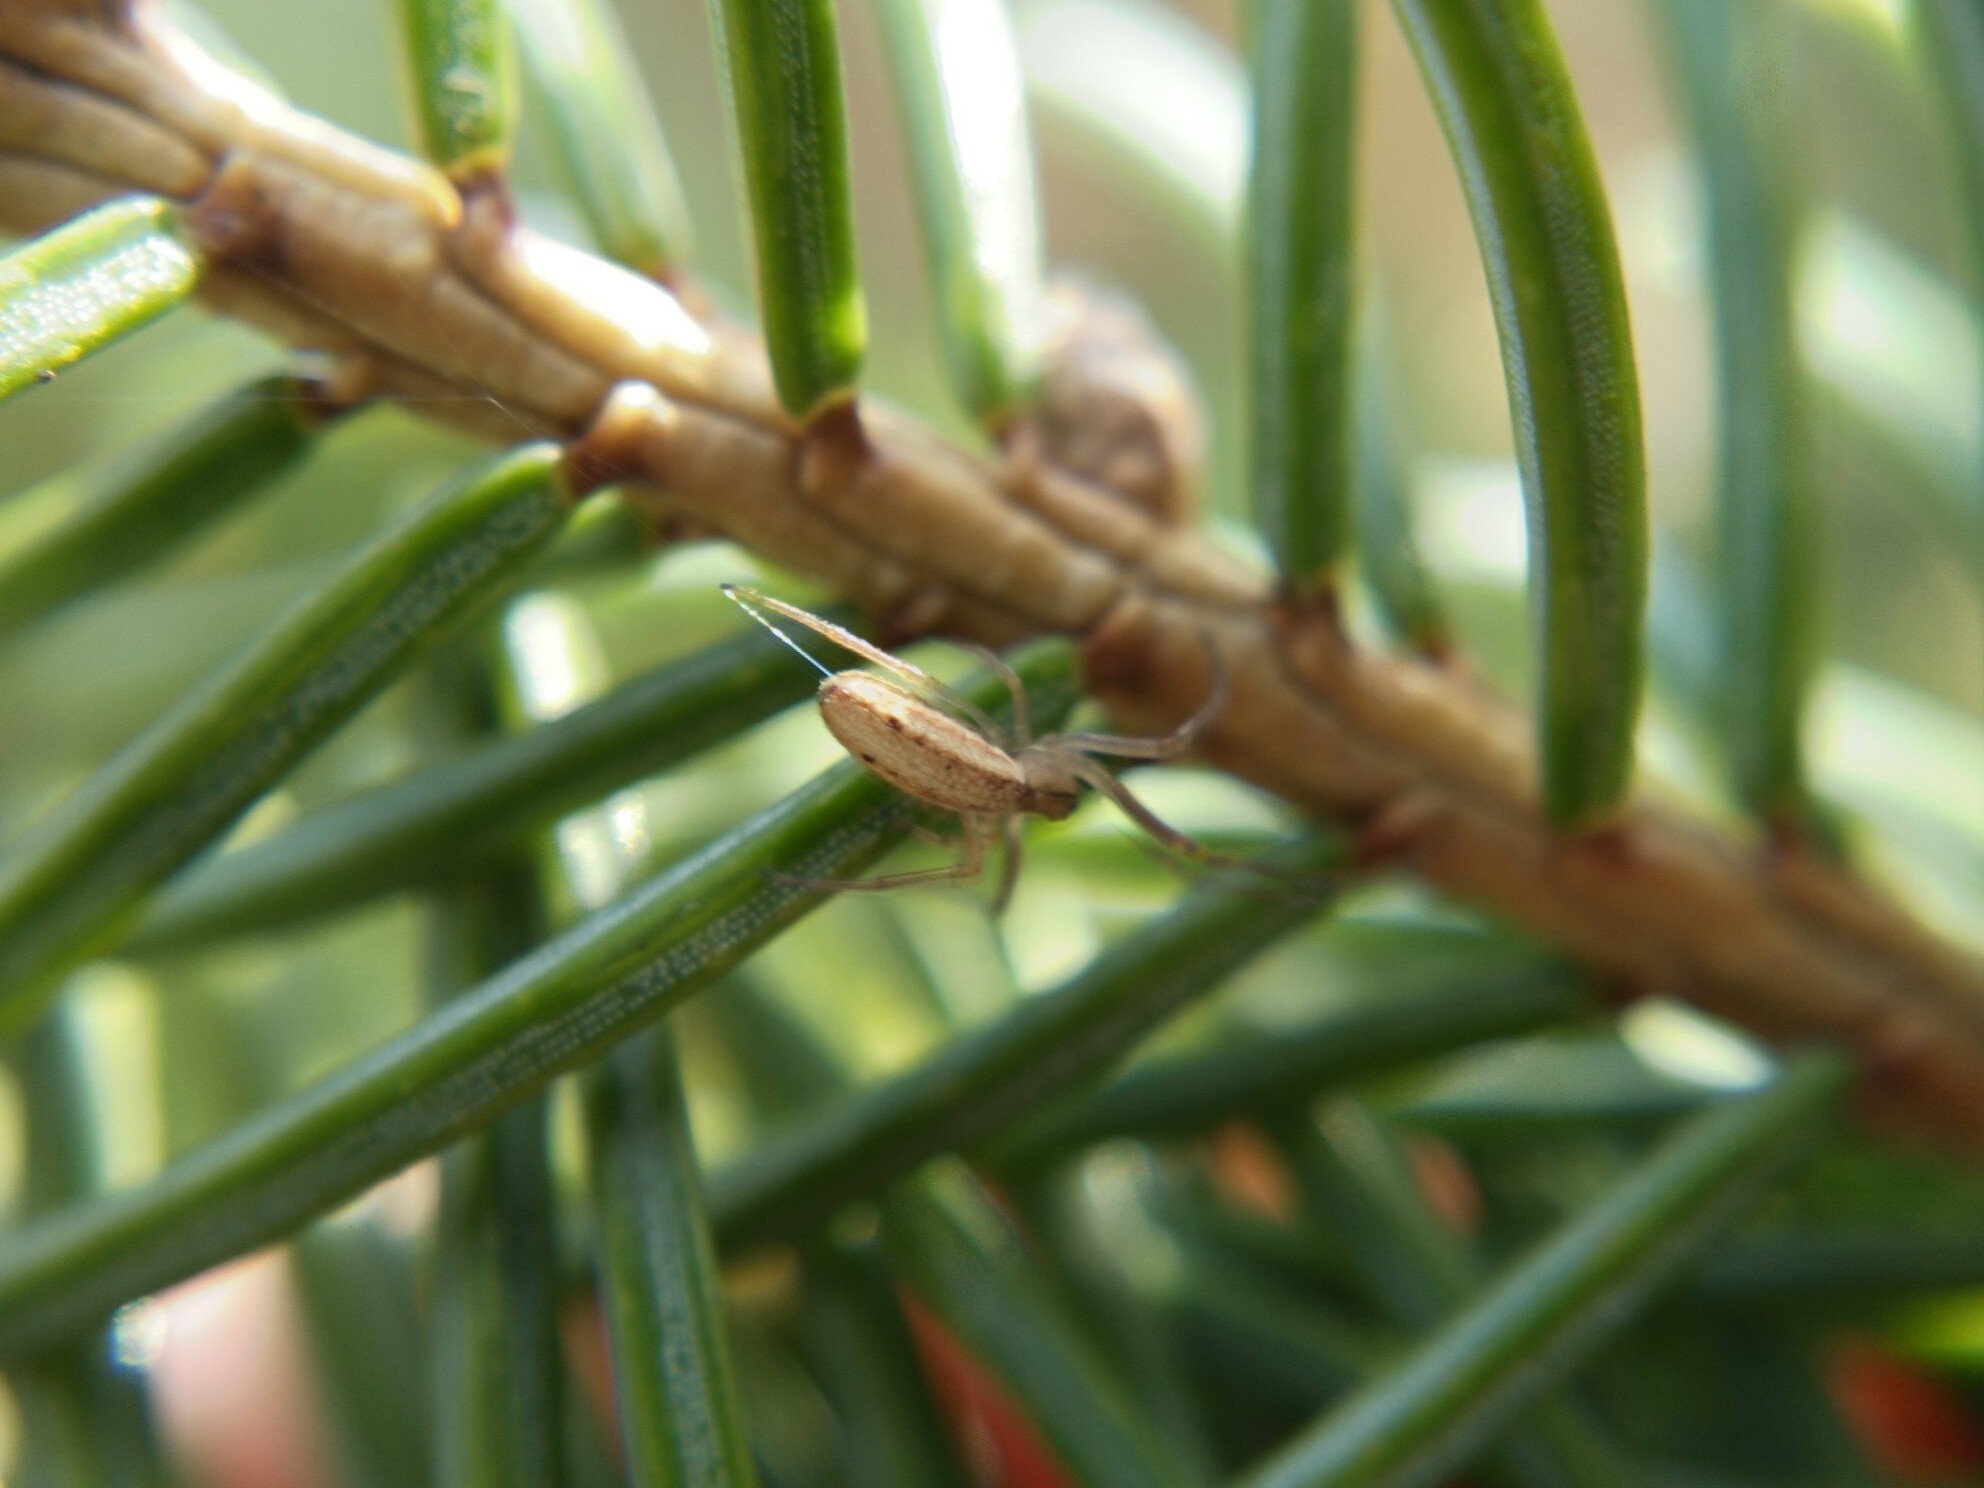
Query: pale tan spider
(959, 762)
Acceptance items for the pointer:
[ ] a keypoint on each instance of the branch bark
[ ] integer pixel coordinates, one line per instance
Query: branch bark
(414, 291)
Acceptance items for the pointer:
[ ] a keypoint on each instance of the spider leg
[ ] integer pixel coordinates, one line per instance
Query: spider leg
(963, 870)
(1009, 868)
(1287, 885)
(932, 835)
(1022, 729)
(847, 640)
(1162, 746)
(1097, 774)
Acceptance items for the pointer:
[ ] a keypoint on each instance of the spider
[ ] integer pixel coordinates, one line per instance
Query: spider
(942, 749)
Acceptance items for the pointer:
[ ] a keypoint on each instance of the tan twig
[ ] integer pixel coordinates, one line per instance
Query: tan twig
(337, 246)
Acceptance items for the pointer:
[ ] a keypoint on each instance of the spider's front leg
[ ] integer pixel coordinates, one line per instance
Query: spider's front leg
(1157, 747)
(965, 869)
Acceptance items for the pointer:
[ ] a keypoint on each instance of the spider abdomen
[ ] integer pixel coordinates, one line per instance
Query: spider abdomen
(919, 750)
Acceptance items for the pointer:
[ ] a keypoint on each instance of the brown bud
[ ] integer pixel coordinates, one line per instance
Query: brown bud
(1117, 406)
